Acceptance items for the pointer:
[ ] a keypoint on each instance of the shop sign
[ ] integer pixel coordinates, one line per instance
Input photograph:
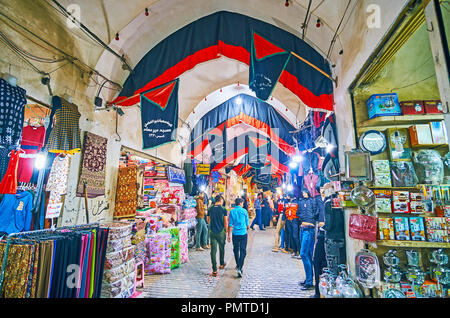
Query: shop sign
(203, 169)
(53, 211)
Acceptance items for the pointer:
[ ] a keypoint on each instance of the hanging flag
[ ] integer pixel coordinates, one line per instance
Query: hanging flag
(267, 62)
(159, 114)
(258, 149)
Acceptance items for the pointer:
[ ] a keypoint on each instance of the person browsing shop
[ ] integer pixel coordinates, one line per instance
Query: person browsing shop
(308, 216)
(238, 226)
(292, 224)
(202, 228)
(218, 222)
(258, 217)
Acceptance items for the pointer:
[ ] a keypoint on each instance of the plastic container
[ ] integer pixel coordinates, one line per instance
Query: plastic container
(380, 105)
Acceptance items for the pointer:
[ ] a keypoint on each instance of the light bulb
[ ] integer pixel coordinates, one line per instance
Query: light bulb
(239, 101)
(329, 148)
(203, 188)
(290, 187)
(298, 158)
(292, 165)
(283, 185)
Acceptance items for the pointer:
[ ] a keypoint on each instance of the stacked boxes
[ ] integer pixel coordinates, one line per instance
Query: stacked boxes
(382, 173)
(119, 275)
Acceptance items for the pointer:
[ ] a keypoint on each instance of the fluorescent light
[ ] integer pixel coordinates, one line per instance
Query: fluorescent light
(239, 100)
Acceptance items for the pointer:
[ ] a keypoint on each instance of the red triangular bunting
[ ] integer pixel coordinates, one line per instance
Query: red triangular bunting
(218, 130)
(264, 48)
(160, 96)
(259, 142)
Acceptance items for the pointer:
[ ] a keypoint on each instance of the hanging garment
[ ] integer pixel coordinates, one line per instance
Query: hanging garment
(126, 193)
(93, 166)
(140, 186)
(12, 107)
(58, 178)
(9, 181)
(64, 134)
(32, 142)
(310, 184)
(17, 270)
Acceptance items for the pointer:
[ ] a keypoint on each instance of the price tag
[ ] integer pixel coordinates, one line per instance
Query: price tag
(53, 211)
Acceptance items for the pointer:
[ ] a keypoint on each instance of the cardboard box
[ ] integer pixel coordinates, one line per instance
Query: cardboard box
(383, 180)
(439, 132)
(400, 207)
(386, 229)
(400, 196)
(413, 107)
(401, 226)
(439, 236)
(417, 207)
(417, 228)
(434, 223)
(420, 135)
(433, 106)
(379, 105)
(383, 194)
(416, 196)
(383, 205)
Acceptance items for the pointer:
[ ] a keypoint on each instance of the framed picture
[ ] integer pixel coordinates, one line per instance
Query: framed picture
(357, 165)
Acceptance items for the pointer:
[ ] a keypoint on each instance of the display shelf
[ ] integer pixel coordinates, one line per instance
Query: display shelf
(430, 146)
(393, 188)
(416, 244)
(398, 120)
(409, 214)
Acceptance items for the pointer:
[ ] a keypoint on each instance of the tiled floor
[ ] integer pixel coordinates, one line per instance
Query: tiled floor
(266, 275)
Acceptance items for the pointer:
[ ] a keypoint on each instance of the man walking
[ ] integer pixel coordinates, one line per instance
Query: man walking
(202, 228)
(280, 225)
(238, 226)
(258, 217)
(218, 222)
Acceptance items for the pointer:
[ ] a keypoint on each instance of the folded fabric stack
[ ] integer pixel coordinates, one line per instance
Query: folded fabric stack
(154, 224)
(160, 171)
(157, 259)
(184, 247)
(171, 209)
(175, 259)
(188, 213)
(138, 231)
(189, 223)
(118, 278)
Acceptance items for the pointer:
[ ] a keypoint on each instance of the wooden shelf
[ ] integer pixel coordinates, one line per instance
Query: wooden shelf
(417, 244)
(394, 188)
(389, 121)
(430, 146)
(424, 215)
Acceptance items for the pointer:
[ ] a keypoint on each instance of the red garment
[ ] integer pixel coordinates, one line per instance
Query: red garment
(32, 142)
(9, 182)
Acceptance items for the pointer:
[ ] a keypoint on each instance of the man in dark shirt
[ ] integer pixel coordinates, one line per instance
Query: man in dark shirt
(218, 221)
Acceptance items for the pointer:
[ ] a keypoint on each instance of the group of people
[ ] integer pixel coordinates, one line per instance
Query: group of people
(296, 220)
(296, 234)
(220, 226)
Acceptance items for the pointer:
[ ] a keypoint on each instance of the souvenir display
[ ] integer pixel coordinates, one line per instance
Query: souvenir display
(429, 166)
(382, 173)
(386, 229)
(392, 276)
(401, 226)
(373, 141)
(383, 201)
(398, 142)
(383, 105)
(403, 174)
(420, 135)
(367, 269)
(439, 132)
(433, 106)
(400, 202)
(417, 227)
(414, 107)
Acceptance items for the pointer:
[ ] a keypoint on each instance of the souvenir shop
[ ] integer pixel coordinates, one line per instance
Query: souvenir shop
(396, 183)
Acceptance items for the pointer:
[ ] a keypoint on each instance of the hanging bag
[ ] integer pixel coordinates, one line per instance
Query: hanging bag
(363, 227)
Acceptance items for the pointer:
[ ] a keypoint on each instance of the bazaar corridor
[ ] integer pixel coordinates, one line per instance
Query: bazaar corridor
(266, 275)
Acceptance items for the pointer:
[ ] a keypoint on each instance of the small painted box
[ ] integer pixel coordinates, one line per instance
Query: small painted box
(417, 227)
(381, 166)
(439, 132)
(434, 223)
(400, 207)
(383, 205)
(417, 207)
(379, 105)
(400, 196)
(413, 107)
(440, 236)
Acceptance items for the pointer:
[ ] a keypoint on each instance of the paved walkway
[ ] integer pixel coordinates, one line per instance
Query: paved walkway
(266, 275)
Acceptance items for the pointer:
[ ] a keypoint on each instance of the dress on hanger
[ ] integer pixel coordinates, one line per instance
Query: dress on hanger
(57, 180)
(310, 182)
(32, 142)
(9, 181)
(12, 108)
(65, 134)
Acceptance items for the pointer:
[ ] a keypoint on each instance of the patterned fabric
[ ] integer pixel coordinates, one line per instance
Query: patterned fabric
(12, 104)
(57, 180)
(93, 167)
(17, 270)
(65, 133)
(140, 186)
(126, 194)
